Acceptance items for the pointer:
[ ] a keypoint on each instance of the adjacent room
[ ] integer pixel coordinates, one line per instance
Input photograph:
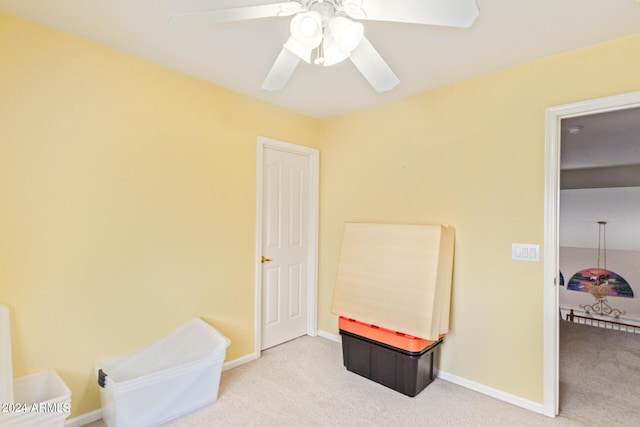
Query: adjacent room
(598, 255)
(135, 179)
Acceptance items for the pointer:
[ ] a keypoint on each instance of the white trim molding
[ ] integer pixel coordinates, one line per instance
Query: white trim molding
(330, 336)
(492, 392)
(238, 362)
(554, 117)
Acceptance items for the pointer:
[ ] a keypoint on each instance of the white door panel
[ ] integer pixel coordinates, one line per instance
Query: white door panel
(271, 296)
(285, 230)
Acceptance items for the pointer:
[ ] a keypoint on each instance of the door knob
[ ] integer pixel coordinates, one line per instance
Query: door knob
(265, 259)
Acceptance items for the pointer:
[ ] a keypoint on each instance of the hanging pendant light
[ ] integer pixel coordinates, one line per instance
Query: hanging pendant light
(600, 280)
(602, 239)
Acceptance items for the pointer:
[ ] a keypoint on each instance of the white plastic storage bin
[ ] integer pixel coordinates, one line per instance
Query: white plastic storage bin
(174, 376)
(39, 400)
(6, 370)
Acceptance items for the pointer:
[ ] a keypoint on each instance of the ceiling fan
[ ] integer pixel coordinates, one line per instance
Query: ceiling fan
(330, 31)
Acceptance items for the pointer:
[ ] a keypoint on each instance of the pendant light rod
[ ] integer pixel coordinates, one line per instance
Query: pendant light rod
(602, 236)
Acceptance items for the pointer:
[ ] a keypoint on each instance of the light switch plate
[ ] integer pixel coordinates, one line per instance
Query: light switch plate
(525, 252)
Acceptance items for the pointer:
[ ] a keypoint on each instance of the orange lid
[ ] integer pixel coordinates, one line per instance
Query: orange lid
(385, 336)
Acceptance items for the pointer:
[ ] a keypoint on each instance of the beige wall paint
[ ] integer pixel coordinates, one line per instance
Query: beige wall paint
(470, 155)
(127, 198)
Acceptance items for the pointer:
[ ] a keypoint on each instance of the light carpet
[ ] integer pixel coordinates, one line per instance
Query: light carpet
(304, 382)
(599, 375)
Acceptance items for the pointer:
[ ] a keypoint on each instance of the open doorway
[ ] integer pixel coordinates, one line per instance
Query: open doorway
(599, 248)
(556, 117)
(599, 224)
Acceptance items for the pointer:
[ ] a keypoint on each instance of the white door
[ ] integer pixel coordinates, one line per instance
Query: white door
(286, 238)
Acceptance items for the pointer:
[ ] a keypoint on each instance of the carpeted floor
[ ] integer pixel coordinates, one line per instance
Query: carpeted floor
(303, 382)
(599, 375)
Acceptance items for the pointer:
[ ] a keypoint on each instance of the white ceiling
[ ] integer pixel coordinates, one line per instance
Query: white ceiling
(239, 55)
(604, 140)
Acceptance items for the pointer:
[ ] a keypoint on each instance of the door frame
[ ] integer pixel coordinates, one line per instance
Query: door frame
(313, 155)
(551, 343)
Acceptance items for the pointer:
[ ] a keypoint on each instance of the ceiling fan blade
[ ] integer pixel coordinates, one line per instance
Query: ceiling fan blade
(451, 13)
(281, 71)
(217, 16)
(373, 67)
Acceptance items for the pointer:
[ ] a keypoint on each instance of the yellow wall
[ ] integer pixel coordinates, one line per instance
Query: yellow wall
(470, 155)
(128, 200)
(127, 197)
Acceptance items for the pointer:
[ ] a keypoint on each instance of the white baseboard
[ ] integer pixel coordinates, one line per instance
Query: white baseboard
(480, 388)
(330, 336)
(492, 392)
(84, 419)
(239, 361)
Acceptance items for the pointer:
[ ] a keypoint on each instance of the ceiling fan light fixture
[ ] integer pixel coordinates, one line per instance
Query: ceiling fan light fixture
(319, 60)
(353, 8)
(347, 33)
(306, 29)
(297, 49)
(331, 52)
